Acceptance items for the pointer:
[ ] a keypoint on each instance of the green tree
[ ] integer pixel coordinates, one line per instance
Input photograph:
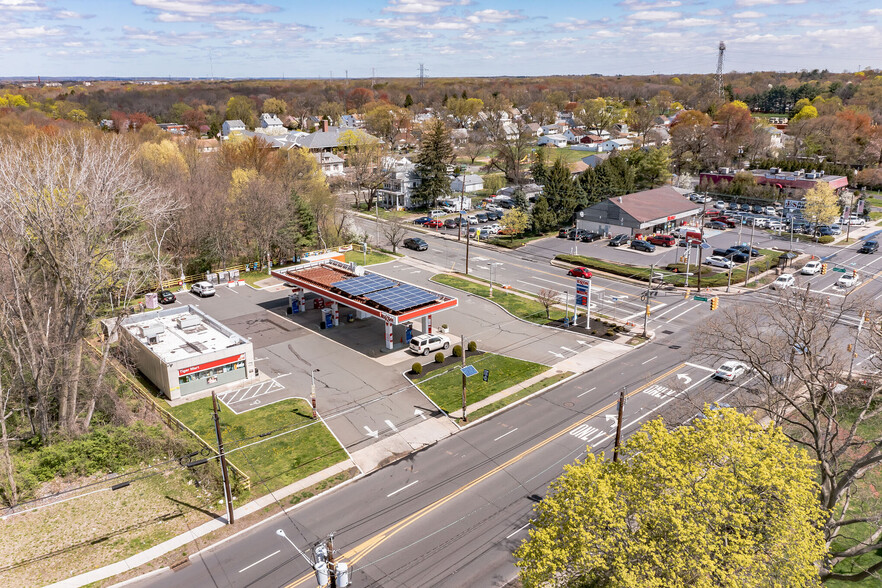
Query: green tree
(408, 101)
(805, 113)
(720, 502)
(515, 222)
(241, 108)
(539, 169)
(654, 168)
(435, 154)
(599, 114)
(821, 204)
(544, 218)
(560, 191)
(464, 110)
(519, 199)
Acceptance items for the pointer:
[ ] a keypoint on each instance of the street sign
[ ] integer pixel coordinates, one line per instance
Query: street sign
(705, 246)
(486, 375)
(841, 270)
(700, 298)
(468, 371)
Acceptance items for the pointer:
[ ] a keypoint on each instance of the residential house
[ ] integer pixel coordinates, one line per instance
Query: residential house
(459, 136)
(574, 136)
(351, 121)
(207, 145)
(270, 124)
(620, 130)
(328, 138)
(174, 129)
(662, 121)
(473, 183)
(397, 190)
(555, 129)
(595, 160)
(329, 163)
(554, 140)
(616, 145)
(534, 129)
(776, 138)
(232, 126)
(577, 167)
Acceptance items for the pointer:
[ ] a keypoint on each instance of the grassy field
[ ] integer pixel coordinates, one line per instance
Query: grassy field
(567, 155)
(526, 308)
(296, 447)
(373, 256)
(509, 243)
(499, 404)
(444, 386)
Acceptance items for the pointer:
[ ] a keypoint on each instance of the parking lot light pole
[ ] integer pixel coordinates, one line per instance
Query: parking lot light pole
(312, 392)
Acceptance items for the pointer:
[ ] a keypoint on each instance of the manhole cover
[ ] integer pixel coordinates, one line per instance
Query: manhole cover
(674, 346)
(667, 332)
(569, 405)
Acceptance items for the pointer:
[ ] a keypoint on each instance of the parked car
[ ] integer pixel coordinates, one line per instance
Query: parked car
(564, 233)
(856, 221)
(493, 215)
(415, 243)
(770, 210)
(746, 207)
(733, 206)
(202, 289)
(619, 240)
(166, 297)
(663, 240)
(746, 249)
(482, 217)
(869, 247)
(422, 220)
(848, 280)
(473, 220)
(730, 370)
(716, 225)
(824, 231)
(775, 225)
(759, 209)
(425, 344)
(580, 272)
(591, 237)
(736, 255)
(451, 223)
(835, 229)
(783, 282)
(719, 261)
(641, 245)
(435, 223)
(811, 268)
(720, 205)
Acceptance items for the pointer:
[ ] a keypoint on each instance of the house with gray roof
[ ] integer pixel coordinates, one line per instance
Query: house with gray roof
(270, 124)
(329, 138)
(232, 126)
(659, 210)
(473, 183)
(596, 159)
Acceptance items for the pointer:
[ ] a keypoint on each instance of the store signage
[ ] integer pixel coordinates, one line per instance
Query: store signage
(211, 364)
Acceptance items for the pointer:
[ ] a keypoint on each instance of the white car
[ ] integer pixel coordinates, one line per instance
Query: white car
(730, 370)
(425, 344)
(492, 229)
(202, 289)
(848, 280)
(473, 220)
(811, 268)
(718, 261)
(836, 229)
(783, 282)
(775, 225)
(770, 210)
(720, 205)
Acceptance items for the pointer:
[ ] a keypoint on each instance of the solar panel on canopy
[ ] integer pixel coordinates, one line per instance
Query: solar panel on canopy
(364, 284)
(402, 297)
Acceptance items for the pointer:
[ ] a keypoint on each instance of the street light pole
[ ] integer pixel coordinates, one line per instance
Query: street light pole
(619, 425)
(648, 297)
(312, 392)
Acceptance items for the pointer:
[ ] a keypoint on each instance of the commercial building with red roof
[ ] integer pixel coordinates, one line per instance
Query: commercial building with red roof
(659, 210)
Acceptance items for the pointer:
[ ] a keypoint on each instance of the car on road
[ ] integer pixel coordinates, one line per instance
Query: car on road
(719, 261)
(451, 223)
(202, 289)
(166, 297)
(730, 370)
(848, 280)
(811, 268)
(641, 245)
(856, 221)
(663, 240)
(435, 223)
(869, 247)
(775, 225)
(618, 240)
(415, 243)
(580, 272)
(783, 282)
(716, 225)
(425, 344)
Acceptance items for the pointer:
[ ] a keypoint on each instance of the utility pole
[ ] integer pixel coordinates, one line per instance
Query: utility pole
(648, 298)
(312, 392)
(619, 425)
(228, 494)
(848, 220)
(462, 347)
(749, 254)
(700, 245)
(854, 347)
(377, 210)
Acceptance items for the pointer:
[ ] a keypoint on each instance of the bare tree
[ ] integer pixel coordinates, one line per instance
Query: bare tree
(512, 154)
(368, 165)
(394, 231)
(548, 297)
(477, 142)
(797, 350)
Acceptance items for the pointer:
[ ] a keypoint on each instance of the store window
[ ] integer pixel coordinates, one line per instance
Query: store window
(210, 375)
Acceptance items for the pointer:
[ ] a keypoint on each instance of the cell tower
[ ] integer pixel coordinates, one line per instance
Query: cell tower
(422, 74)
(720, 70)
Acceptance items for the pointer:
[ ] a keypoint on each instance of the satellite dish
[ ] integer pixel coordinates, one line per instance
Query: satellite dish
(581, 214)
(359, 270)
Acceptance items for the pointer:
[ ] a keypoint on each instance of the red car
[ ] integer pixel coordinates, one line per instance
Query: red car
(580, 272)
(434, 224)
(663, 240)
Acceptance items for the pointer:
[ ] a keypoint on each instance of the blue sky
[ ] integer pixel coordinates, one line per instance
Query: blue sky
(276, 38)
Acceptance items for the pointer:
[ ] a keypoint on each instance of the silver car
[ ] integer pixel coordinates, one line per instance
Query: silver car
(202, 289)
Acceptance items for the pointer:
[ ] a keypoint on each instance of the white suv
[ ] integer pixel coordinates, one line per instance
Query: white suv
(425, 344)
(811, 268)
(202, 289)
(783, 282)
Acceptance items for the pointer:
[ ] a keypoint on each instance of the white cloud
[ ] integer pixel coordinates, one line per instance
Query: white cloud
(518, 43)
(874, 12)
(639, 5)
(70, 14)
(495, 16)
(749, 14)
(663, 36)
(30, 33)
(766, 2)
(416, 6)
(711, 12)
(692, 22)
(192, 9)
(21, 5)
(654, 15)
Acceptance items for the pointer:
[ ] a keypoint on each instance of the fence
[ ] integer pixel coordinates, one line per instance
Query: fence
(168, 418)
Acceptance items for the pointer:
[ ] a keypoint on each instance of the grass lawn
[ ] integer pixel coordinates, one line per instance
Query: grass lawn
(709, 278)
(373, 256)
(278, 460)
(252, 277)
(494, 406)
(444, 386)
(385, 214)
(509, 243)
(526, 308)
(567, 155)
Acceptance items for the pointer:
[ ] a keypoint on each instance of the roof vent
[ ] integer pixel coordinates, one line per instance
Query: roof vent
(188, 321)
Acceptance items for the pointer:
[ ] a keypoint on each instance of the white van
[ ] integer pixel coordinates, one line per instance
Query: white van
(436, 213)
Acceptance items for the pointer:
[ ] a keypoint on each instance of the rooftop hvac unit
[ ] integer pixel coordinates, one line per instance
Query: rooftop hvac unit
(773, 170)
(821, 174)
(724, 170)
(152, 331)
(188, 321)
(811, 176)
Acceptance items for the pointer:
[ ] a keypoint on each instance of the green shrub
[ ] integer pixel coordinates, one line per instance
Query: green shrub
(825, 239)
(417, 368)
(457, 350)
(439, 357)
(473, 346)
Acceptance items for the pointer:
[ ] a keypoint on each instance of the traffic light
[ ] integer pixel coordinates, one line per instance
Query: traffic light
(714, 303)
(849, 348)
(823, 268)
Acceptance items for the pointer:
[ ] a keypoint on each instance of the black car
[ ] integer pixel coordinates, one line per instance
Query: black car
(562, 233)
(416, 244)
(824, 231)
(746, 249)
(619, 240)
(869, 247)
(735, 255)
(482, 217)
(642, 245)
(451, 223)
(166, 297)
(591, 237)
(492, 215)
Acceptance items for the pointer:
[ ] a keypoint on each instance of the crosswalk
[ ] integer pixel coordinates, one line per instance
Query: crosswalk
(249, 396)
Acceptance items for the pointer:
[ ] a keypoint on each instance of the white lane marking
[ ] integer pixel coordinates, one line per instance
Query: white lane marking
(690, 309)
(516, 532)
(650, 359)
(584, 431)
(668, 309)
(586, 392)
(551, 282)
(504, 434)
(419, 413)
(700, 367)
(659, 391)
(568, 349)
(531, 284)
(391, 426)
(371, 433)
(391, 494)
(557, 355)
(260, 561)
